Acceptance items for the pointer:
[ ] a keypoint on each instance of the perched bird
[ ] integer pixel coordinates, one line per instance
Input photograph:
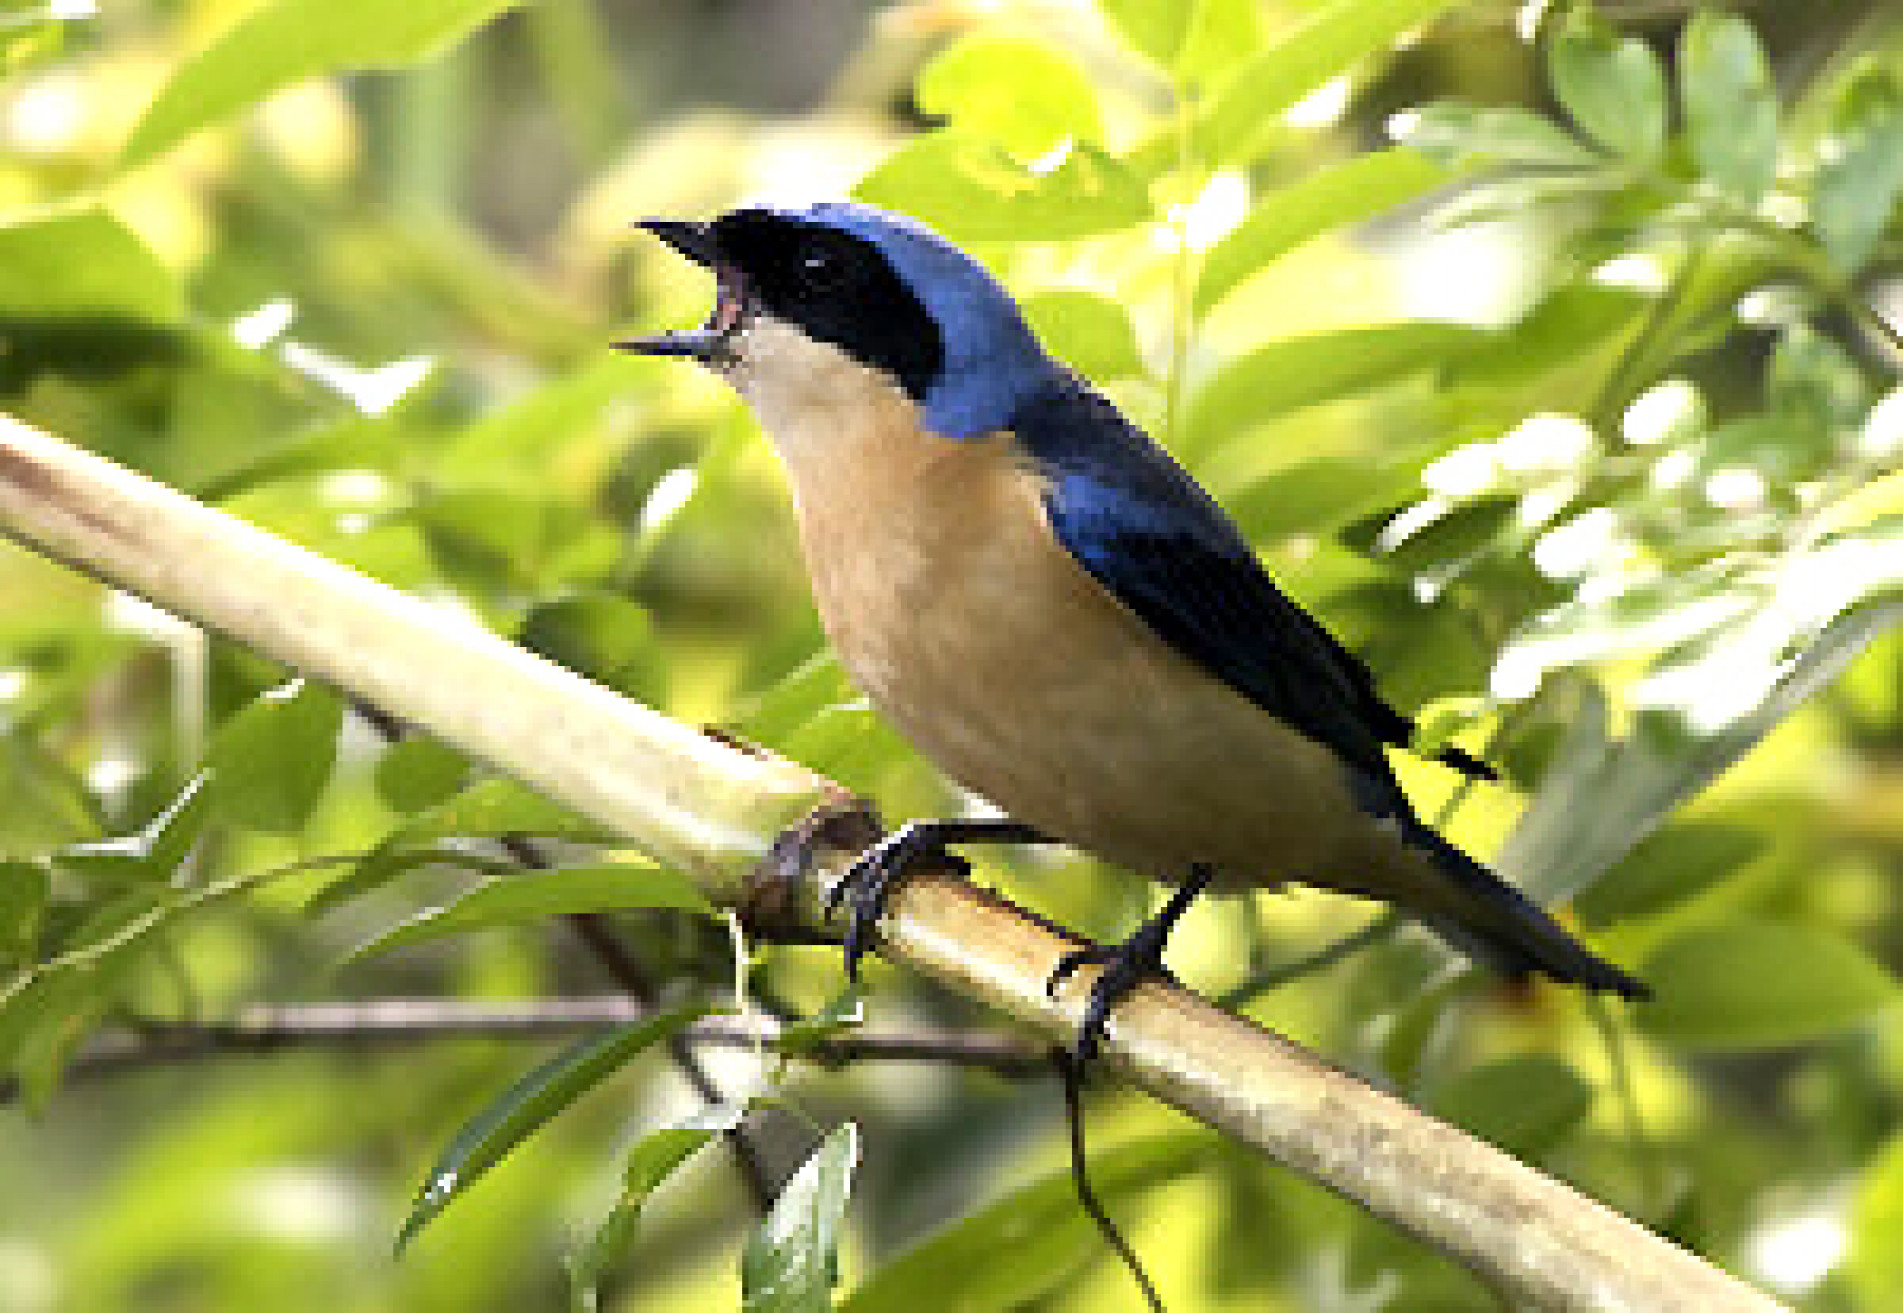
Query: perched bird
(1049, 607)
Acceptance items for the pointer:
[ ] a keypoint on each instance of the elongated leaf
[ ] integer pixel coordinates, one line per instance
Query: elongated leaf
(972, 190)
(1856, 190)
(1326, 45)
(1613, 86)
(419, 773)
(495, 807)
(271, 762)
(1525, 1104)
(654, 1158)
(1018, 92)
(537, 895)
(24, 887)
(1008, 1254)
(284, 41)
(522, 1109)
(1300, 371)
(84, 265)
(1757, 984)
(1730, 103)
(792, 1262)
(1670, 867)
(1460, 136)
(1333, 198)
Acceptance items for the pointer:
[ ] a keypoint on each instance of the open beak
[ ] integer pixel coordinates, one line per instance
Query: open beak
(712, 342)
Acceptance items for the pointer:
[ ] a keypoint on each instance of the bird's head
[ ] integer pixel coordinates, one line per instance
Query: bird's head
(838, 290)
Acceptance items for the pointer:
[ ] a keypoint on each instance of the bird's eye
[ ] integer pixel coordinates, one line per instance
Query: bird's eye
(821, 270)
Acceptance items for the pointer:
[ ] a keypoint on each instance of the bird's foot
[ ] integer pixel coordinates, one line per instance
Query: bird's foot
(869, 881)
(1125, 966)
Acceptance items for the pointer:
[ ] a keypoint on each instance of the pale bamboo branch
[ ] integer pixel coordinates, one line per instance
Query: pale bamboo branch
(713, 809)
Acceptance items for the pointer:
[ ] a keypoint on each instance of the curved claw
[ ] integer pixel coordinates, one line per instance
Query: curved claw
(867, 884)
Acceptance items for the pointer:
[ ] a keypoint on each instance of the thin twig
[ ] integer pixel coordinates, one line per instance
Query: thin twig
(404, 1022)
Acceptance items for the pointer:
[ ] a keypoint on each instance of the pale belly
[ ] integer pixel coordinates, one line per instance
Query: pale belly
(1005, 663)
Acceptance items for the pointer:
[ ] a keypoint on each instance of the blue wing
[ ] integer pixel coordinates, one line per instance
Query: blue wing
(1164, 548)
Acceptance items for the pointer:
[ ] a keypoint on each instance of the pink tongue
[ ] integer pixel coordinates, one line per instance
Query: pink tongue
(727, 306)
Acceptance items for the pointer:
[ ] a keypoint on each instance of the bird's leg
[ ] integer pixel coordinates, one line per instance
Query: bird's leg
(1126, 965)
(868, 882)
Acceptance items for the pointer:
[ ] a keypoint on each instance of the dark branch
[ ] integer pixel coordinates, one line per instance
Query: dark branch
(401, 1022)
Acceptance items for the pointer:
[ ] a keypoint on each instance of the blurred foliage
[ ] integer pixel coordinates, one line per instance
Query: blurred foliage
(1546, 352)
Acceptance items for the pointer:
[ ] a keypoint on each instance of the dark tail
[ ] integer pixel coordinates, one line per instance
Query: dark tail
(1503, 928)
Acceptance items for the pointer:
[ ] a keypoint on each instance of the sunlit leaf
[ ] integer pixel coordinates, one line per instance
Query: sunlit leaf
(284, 41)
(1875, 1260)
(791, 1262)
(1008, 1254)
(1327, 200)
(271, 761)
(82, 265)
(1152, 27)
(1525, 1104)
(1326, 44)
(1613, 86)
(522, 1109)
(972, 190)
(1758, 984)
(534, 896)
(1300, 371)
(1089, 332)
(1020, 93)
(1730, 103)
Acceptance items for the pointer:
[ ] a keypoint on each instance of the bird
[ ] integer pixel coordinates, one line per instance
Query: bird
(1048, 606)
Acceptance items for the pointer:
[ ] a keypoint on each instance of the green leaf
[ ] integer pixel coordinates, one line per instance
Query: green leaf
(1300, 371)
(285, 41)
(1855, 191)
(1018, 92)
(497, 807)
(1458, 136)
(420, 772)
(1875, 1260)
(654, 1158)
(1613, 87)
(1525, 1104)
(86, 265)
(272, 760)
(845, 1012)
(1152, 27)
(1026, 1244)
(1668, 868)
(155, 850)
(24, 887)
(1325, 46)
(1333, 198)
(532, 896)
(972, 190)
(522, 1109)
(1092, 333)
(1758, 984)
(1730, 103)
(1220, 35)
(792, 1262)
